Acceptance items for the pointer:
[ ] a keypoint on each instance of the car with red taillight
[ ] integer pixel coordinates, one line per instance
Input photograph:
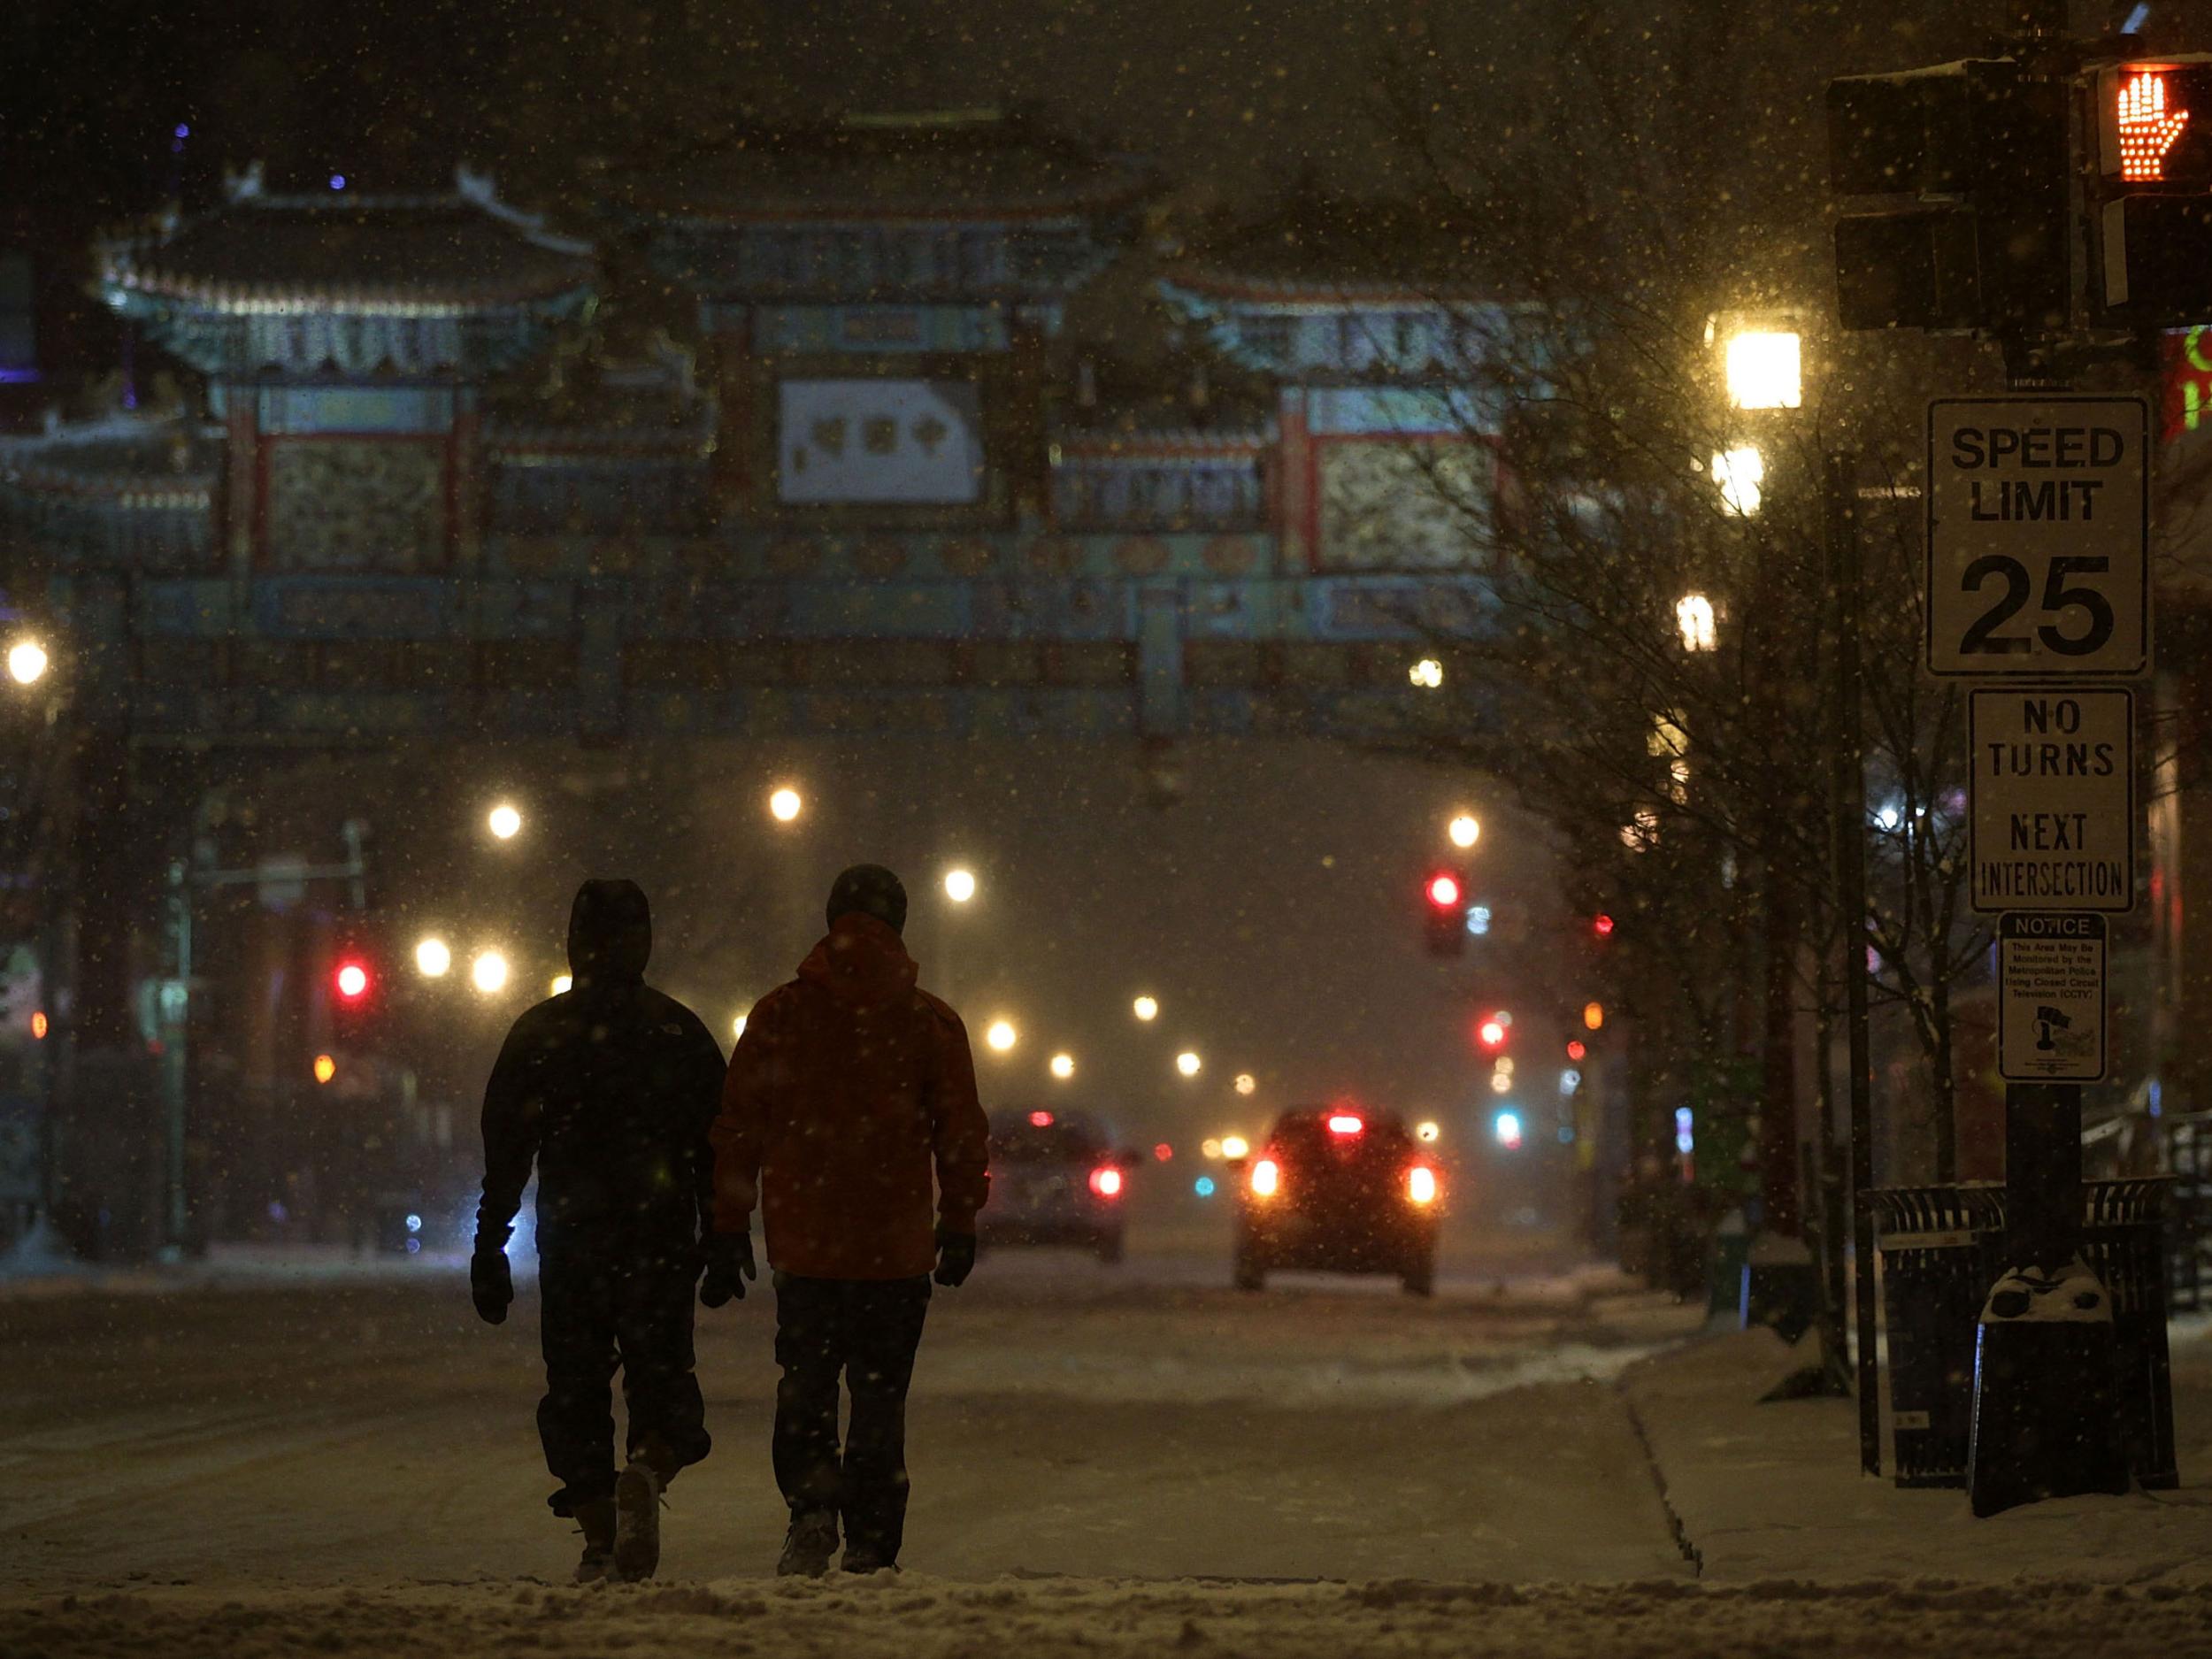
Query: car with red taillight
(1340, 1189)
(1056, 1178)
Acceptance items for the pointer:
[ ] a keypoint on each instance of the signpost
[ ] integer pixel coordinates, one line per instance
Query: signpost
(2052, 790)
(2039, 584)
(2039, 536)
(2051, 1009)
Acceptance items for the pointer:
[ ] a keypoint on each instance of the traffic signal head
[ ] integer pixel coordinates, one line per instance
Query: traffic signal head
(1977, 235)
(2153, 148)
(1445, 897)
(351, 979)
(1490, 1033)
(1577, 1050)
(1601, 924)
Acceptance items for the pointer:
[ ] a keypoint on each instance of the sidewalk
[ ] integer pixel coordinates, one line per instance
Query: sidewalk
(1773, 1492)
(29, 1270)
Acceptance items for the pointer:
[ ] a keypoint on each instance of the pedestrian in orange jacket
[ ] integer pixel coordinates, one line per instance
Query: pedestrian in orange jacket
(850, 1086)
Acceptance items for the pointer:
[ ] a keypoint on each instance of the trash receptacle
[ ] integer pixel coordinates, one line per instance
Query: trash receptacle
(1937, 1246)
(2124, 1242)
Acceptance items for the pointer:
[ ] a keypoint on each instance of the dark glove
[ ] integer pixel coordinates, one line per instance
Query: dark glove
(491, 1285)
(955, 1257)
(729, 1264)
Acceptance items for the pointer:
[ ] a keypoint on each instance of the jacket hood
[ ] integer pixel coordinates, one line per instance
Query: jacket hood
(861, 960)
(610, 932)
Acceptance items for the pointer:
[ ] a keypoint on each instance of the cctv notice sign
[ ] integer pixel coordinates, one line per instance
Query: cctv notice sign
(2039, 534)
(2051, 998)
(2051, 808)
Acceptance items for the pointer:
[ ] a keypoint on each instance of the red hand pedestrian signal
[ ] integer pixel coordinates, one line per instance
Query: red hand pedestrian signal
(351, 979)
(2147, 127)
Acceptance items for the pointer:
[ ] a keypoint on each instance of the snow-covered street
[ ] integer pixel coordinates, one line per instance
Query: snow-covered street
(1106, 1461)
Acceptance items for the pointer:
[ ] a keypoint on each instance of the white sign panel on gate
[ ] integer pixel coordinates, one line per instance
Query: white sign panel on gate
(2051, 998)
(2051, 805)
(2039, 536)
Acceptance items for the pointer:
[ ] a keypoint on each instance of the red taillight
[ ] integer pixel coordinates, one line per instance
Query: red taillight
(1346, 1124)
(1041, 1120)
(1106, 1182)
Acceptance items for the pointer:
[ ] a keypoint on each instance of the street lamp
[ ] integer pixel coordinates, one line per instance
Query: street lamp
(433, 957)
(1763, 366)
(489, 972)
(503, 821)
(784, 804)
(1694, 615)
(1002, 1036)
(1187, 1064)
(1427, 674)
(1246, 1083)
(1145, 1008)
(562, 984)
(27, 661)
(737, 1025)
(1738, 471)
(960, 885)
(1465, 830)
(1063, 1066)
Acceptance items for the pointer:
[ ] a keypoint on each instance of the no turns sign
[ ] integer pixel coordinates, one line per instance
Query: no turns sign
(2052, 802)
(2038, 534)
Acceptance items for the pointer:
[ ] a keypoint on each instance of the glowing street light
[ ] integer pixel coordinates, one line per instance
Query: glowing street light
(1189, 1063)
(1427, 674)
(27, 661)
(960, 886)
(489, 972)
(1063, 1066)
(1246, 1083)
(1739, 471)
(1764, 368)
(1234, 1146)
(1002, 1036)
(1465, 830)
(433, 957)
(1426, 1131)
(504, 821)
(737, 1025)
(784, 804)
(1146, 1008)
(563, 984)
(1694, 615)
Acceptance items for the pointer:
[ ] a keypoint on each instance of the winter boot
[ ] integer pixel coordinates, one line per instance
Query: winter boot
(809, 1545)
(597, 1520)
(860, 1558)
(637, 1522)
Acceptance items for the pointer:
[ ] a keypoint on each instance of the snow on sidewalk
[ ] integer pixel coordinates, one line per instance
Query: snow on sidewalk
(1769, 1492)
(913, 1617)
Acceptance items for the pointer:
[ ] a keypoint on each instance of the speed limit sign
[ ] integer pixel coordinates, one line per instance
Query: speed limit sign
(2038, 534)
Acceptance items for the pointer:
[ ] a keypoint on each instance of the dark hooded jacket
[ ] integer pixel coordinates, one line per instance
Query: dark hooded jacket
(850, 1086)
(608, 1088)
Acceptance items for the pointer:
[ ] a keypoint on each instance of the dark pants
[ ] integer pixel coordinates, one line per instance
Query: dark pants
(866, 1331)
(607, 1304)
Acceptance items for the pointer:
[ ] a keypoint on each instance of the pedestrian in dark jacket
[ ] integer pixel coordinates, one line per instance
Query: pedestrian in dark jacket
(608, 1088)
(850, 1087)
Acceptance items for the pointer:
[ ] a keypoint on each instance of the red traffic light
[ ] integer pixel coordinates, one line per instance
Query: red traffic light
(1602, 926)
(351, 979)
(1576, 1050)
(1492, 1030)
(1444, 890)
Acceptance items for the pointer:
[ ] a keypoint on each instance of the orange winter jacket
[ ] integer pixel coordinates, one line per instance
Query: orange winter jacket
(850, 1084)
